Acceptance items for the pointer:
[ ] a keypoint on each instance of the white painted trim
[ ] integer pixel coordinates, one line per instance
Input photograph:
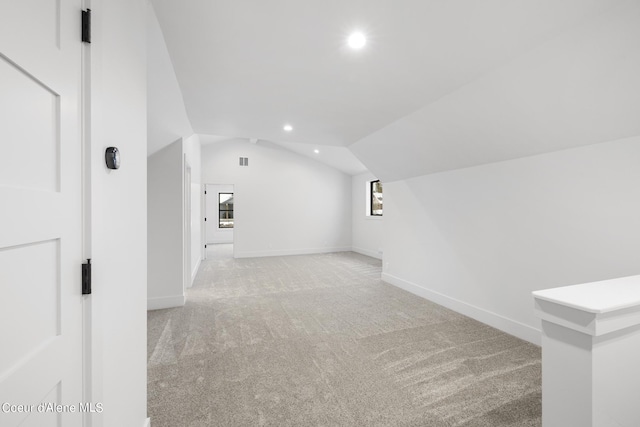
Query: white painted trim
(285, 252)
(367, 252)
(497, 321)
(147, 423)
(195, 271)
(165, 302)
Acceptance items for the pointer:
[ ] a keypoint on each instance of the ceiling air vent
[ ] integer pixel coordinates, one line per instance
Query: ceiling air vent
(244, 161)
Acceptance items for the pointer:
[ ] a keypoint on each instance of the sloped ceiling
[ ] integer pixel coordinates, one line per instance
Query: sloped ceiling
(440, 85)
(579, 88)
(167, 118)
(340, 158)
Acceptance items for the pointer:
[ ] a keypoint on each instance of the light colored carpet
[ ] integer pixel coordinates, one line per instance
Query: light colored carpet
(320, 340)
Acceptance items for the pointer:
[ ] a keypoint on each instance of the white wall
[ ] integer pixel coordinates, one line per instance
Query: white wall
(215, 234)
(165, 227)
(284, 203)
(192, 152)
(367, 230)
(119, 213)
(167, 123)
(481, 239)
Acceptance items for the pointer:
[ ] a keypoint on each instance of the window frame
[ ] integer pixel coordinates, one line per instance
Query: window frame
(371, 198)
(225, 210)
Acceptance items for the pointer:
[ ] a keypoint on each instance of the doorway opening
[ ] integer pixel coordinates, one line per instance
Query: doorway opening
(219, 220)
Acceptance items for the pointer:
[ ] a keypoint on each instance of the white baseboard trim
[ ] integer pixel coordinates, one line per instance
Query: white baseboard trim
(497, 321)
(195, 272)
(367, 252)
(147, 422)
(165, 302)
(285, 252)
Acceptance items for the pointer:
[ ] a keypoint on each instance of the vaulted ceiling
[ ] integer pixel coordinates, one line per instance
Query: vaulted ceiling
(439, 85)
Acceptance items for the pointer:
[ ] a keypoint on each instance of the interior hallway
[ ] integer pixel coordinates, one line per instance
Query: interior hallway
(321, 340)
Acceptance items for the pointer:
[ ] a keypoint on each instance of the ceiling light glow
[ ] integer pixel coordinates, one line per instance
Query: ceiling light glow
(316, 151)
(357, 40)
(288, 128)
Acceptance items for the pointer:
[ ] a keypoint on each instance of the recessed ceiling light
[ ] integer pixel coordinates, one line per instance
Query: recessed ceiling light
(288, 128)
(356, 40)
(316, 151)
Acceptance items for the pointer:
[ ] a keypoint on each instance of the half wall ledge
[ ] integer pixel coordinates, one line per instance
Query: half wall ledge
(591, 353)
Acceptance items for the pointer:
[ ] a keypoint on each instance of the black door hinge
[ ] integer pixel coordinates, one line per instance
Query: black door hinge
(205, 246)
(205, 191)
(86, 278)
(86, 26)
(205, 220)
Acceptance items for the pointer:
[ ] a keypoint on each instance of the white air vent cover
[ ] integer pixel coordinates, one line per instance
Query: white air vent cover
(244, 161)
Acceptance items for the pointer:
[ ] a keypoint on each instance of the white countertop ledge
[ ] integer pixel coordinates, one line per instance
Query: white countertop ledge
(596, 297)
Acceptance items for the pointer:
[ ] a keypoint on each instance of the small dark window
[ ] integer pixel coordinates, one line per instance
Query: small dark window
(225, 210)
(375, 195)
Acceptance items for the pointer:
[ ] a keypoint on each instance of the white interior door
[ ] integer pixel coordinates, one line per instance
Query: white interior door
(40, 214)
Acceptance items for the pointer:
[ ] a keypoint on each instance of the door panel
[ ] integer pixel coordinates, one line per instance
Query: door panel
(31, 115)
(45, 419)
(41, 217)
(36, 20)
(33, 295)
